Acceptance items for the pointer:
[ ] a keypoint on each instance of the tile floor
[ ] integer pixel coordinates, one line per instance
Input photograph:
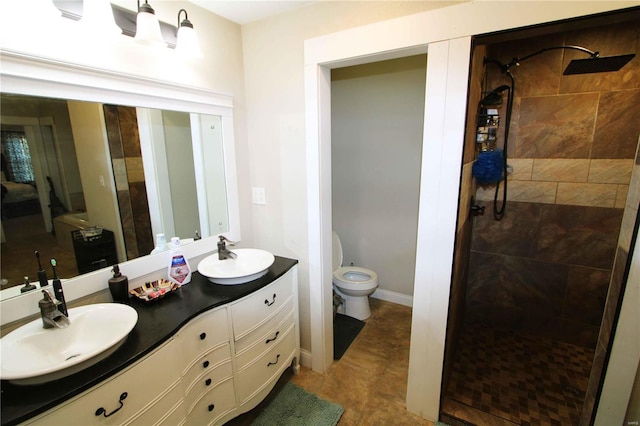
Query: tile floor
(501, 377)
(24, 235)
(370, 380)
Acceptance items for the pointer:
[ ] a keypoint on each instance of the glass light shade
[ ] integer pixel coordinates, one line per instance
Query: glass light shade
(97, 17)
(148, 30)
(187, 44)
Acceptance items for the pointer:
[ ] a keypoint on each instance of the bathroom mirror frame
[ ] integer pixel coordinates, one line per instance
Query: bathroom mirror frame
(40, 76)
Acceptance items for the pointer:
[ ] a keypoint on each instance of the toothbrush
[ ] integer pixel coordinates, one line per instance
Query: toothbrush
(57, 290)
(42, 275)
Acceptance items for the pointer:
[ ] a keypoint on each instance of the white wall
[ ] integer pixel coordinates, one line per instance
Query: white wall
(377, 115)
(98, 184)
(273, 62)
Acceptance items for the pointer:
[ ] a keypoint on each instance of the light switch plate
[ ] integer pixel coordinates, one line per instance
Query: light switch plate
(259, 196)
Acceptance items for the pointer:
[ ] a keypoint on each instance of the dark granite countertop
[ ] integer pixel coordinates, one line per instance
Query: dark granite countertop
(157, 322)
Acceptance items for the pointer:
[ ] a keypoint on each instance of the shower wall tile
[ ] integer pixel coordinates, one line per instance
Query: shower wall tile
(515, 234)
(621, 196)
(536, 77)
(557, 126)
(560, 170)
(120, 174)
(618, 125)
(526, 283)
(610, 171)
(135, 170)
(112, 123)
(586, 294)
(531, 191)
(587, 194)
(464, 206)
(584, 236)
(129, 131)
(522, 168)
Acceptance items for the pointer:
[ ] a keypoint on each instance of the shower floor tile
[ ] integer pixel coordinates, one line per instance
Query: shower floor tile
(518, 377)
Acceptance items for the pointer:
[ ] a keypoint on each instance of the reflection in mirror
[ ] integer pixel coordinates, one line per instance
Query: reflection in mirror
(129, 171)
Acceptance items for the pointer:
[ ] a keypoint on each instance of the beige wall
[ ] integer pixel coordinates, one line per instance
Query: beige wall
(273, 59)
(377, 117)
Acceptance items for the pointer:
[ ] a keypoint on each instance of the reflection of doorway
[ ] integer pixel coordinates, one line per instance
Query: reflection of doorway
(29, 157)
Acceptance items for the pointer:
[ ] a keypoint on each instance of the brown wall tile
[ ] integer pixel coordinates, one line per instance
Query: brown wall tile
(557, 126)
(618, 125)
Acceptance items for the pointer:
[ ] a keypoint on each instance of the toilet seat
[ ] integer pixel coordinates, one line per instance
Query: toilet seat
(354, 277)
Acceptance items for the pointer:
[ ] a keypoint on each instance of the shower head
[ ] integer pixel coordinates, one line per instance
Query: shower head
(597, 64)
(593, 64)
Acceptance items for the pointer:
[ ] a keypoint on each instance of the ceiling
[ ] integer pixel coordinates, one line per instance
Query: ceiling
(246, 11)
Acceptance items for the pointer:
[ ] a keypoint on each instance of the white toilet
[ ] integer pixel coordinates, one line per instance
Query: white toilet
(354, 284)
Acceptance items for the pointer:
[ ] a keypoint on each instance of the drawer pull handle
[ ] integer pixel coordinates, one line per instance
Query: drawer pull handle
(274, 363)
(211, 407)
(205, 364)
(274, 338)
(102, 411)
(266, 301)
(207, 382)
(203, 336)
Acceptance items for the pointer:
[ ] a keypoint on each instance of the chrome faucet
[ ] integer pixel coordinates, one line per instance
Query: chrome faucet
(51, 315)
(223, 252)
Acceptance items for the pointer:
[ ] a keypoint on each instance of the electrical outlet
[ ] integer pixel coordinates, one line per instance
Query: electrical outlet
(259, 196)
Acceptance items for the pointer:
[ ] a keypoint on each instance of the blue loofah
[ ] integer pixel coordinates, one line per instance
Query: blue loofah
(488, 167)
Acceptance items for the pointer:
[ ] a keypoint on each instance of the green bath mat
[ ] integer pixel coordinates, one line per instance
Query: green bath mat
(293, 406)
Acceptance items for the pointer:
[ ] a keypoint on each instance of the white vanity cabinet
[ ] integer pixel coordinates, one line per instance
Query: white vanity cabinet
(143, 394)
(221, 364)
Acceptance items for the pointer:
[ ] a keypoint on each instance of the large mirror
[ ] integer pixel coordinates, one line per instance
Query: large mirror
(61, 170)
(132, 165)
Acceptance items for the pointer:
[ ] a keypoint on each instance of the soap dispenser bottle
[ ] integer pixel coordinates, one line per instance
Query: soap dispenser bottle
(178, 271)
(119, 285)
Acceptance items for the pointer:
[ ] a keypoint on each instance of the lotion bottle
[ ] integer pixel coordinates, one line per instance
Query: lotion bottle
(178, 271)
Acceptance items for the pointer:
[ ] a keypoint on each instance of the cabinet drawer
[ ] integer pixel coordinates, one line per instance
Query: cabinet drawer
(206, 362)
(264, 329)
(208, 380)
(124, 396)
(255, 376)
(213, 405)
(249, 313)
(161, 408)
(202, 334)
(271, 338)
(177, 417)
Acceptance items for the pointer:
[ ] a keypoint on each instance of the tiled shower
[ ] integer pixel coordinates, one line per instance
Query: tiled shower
(525, 343)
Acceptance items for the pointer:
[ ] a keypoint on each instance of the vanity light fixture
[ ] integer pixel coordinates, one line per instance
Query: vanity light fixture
(148, 27)
(187, 43)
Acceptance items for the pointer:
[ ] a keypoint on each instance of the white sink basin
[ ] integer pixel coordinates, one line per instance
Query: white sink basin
(250, 264)
(32, 354)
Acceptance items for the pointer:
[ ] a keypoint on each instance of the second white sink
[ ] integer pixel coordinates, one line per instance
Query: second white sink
(249, 265)
(32, 354)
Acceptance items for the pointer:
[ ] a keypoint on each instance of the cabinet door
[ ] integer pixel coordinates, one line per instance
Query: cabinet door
(207, 362)
(168, 404)
(256, 375)
(122, 397)
(250, 312)
(201, 335)
(213, 405)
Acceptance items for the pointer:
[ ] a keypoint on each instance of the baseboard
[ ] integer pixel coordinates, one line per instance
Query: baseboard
(393, 297)
(305, 358)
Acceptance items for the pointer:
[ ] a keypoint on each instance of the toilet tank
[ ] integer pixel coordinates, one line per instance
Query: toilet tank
(336, 246)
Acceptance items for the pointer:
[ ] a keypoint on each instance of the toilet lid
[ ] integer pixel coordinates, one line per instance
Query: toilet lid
(337, 251)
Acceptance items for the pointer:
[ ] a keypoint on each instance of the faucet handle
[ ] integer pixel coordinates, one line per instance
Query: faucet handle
(49, 297)
(228, 241)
